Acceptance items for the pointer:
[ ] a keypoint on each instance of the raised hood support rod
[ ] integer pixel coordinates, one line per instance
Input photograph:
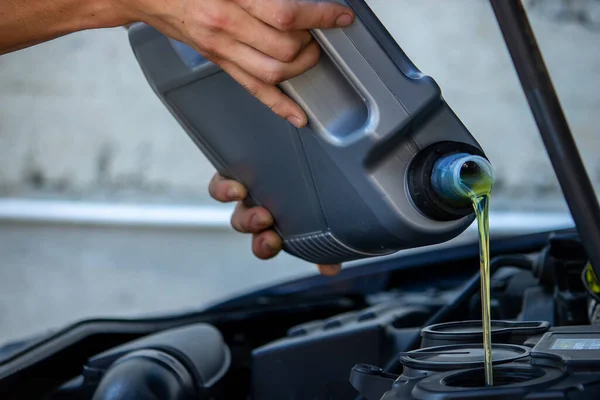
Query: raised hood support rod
(552, 124)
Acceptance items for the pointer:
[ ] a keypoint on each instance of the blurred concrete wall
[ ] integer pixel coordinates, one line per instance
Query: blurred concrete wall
(77, 117)
(78, 120)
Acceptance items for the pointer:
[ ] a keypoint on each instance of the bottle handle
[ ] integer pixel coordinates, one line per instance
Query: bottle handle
(343, 96)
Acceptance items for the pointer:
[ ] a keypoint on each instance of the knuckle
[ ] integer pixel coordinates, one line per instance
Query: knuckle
(215, 178)
(212, 187)
(305, 37)
(276, 106)
(313, 57)
(237, 223)
(211, 191)
(274, 76)
(285, 17)
(216, 19)
(328, 15)
(252, 88)
(291, 51)
(327, 19)
(209, 45)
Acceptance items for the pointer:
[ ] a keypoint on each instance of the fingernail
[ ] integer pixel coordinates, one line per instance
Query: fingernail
(259, 221)
(344, 20)
(233, 193)
(295, 121)
(269, 247)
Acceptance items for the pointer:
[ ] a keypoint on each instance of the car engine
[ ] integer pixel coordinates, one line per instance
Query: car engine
(406, 328)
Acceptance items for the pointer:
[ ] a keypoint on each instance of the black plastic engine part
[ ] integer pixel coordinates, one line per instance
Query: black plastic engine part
(147, 375)
(179, 364)
(371, 382)
(468, 332)
(563, 363)
(560, 265)
(538, 305)
(507, 287)
(314, 360)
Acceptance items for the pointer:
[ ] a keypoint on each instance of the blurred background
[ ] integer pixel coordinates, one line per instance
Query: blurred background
(104, 209)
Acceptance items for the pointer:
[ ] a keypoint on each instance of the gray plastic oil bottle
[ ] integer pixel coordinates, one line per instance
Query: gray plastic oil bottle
(356, 182)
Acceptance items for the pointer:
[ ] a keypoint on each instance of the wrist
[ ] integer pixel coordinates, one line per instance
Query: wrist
(147, 11)
(107, 13)
(91, 14)
(160, 14)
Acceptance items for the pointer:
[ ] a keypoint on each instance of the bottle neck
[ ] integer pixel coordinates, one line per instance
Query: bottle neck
(459, 177)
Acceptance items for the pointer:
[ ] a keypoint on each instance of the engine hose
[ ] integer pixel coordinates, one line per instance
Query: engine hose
(147, 375)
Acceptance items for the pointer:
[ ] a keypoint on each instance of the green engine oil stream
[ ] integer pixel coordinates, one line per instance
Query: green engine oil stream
(478, 185)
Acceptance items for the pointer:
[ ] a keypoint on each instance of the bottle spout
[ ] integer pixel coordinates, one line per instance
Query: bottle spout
(459, 177)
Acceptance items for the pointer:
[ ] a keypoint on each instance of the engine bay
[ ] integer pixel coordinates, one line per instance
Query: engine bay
(406, 327)
(403, 328)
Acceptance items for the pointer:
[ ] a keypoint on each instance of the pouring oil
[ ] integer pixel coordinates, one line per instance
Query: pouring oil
(456, 178)
(479, 186)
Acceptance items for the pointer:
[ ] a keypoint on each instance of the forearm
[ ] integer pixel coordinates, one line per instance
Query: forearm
(25, 23)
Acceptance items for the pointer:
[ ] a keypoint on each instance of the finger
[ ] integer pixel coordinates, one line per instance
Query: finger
(266, 245)
(245, 28)
(282, 46)
(250, 220)
(329, 270)
(226, 190)
(289, 15)
(232, 19)
(270, 70)
(269, 95)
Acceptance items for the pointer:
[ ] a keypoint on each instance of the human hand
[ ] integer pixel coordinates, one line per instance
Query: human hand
(260, 43)
(266, 243)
